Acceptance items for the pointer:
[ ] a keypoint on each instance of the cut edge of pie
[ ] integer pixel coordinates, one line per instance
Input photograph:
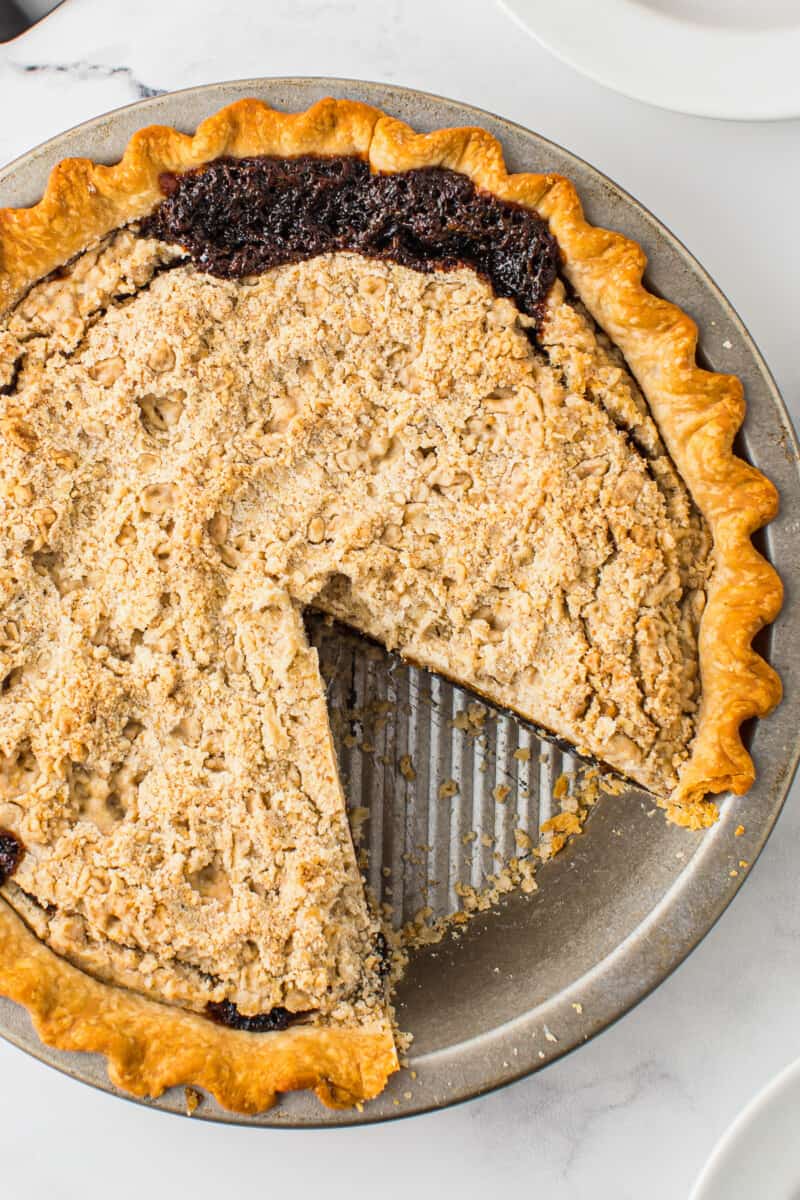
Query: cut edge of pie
(151, 1046)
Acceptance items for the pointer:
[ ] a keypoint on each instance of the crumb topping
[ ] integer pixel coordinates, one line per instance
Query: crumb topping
(188, 462)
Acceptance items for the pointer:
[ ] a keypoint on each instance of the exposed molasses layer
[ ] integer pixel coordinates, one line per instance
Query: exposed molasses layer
(226, 1013)
(11, 851)
(240, 217)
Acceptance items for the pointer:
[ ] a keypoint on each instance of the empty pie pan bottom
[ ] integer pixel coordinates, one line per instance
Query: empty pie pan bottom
(623, 904)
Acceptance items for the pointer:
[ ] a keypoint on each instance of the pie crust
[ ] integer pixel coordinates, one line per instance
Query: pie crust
(151, 1046)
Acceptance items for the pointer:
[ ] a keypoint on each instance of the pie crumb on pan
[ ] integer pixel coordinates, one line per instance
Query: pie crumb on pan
(317, 360)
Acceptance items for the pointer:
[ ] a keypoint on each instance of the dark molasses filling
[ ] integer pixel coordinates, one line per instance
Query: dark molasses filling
(226, 1013)
(240, 217)
(11, 851)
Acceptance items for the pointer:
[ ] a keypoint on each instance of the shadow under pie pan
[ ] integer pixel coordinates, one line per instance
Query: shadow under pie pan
(622, 905)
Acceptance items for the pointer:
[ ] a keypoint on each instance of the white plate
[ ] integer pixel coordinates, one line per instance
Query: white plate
(760, 1153)
(714, 58)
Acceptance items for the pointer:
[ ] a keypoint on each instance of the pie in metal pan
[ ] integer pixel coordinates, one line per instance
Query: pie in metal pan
(319, 361)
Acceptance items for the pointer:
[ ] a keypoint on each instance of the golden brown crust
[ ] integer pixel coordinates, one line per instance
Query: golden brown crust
(151, 1046)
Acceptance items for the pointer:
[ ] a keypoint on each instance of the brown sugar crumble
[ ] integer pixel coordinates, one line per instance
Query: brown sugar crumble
(407, 768)
(195, 458)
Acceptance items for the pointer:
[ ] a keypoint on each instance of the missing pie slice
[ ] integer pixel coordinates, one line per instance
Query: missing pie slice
(320, 361)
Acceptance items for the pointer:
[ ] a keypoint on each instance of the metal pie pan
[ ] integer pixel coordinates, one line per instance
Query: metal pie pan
(625, 903)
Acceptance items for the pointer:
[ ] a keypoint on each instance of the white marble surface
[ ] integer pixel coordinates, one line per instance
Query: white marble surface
(635, 1113)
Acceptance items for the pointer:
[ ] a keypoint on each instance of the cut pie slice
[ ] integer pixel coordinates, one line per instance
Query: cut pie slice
(183, 827)
(320, 361)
